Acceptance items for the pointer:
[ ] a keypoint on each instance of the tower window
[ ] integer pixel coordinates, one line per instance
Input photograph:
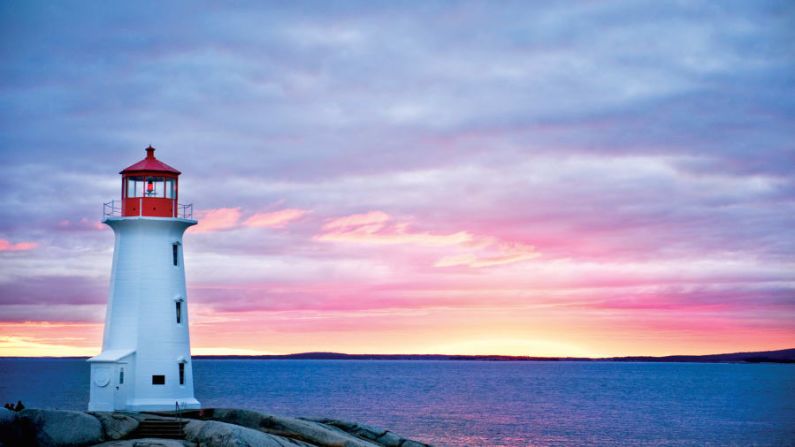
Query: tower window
(175, 253)
(182, 374)
(136, 186)
(158, 380)
(169, 188)
(179, 312)
(121, 376)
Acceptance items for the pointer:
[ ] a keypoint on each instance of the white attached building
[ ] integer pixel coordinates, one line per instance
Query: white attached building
(145, 363)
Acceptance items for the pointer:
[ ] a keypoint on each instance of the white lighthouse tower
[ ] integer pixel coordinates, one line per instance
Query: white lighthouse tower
(145, 362)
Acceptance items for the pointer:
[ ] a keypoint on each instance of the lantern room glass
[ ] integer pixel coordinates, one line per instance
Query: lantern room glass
(149, 186)
(135, 186)
(155, 187)
(170, 188)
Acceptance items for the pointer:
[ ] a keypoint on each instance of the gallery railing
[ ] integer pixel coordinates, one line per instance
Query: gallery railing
(113, 209)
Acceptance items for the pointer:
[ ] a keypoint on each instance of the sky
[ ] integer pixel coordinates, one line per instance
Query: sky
(593, 178)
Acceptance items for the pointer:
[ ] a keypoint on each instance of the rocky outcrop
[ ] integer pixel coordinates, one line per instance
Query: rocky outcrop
(148, 442)
(221, 434)
(7, 417)
(380, 436)
(116, 425)
(63, 428)
(13, 431)
(205, 428)
(308, 431)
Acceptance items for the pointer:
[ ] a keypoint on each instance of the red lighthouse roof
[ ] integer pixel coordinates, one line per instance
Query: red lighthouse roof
(149, 164)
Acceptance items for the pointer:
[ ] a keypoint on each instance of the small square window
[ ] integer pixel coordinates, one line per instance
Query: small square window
(158, 380)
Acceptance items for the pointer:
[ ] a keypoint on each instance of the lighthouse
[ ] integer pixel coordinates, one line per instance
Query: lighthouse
(145, 363)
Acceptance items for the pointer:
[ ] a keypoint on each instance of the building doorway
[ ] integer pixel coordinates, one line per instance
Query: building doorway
(121, 377)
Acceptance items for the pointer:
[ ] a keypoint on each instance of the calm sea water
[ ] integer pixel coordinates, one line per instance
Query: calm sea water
(481, 403)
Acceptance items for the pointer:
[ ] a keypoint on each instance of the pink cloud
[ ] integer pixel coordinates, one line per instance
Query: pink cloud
(6, 245)
(218, 219)
(474, 251)
(376, 219)
(496, 253)
(221, 219)
(81, 225)
(374, 228)
(275, 219)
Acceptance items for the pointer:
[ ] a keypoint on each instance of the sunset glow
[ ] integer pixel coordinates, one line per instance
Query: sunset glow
(446, 178)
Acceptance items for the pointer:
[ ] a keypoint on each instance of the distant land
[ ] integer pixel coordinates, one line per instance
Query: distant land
(780, 356)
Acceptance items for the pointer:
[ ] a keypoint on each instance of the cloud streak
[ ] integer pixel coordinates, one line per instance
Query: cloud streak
(274, 219)
(374, 228)
(224, 219)
(377, 228)
(6, 245)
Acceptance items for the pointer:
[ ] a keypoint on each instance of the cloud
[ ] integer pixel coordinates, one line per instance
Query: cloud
(505, 254)
(223, 219)
(218, 219)
(374, 228)
(83, 224)
(6, 245)
(274, 219)
(377, 228)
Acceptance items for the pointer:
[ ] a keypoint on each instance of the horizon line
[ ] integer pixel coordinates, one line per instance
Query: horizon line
(319, 355)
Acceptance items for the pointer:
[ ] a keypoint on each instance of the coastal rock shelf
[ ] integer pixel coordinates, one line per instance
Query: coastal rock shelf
(198, 428)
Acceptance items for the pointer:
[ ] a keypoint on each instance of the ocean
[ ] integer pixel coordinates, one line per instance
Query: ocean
(481, 403)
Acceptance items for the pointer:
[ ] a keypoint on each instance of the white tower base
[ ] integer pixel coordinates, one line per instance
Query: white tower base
(145, 363)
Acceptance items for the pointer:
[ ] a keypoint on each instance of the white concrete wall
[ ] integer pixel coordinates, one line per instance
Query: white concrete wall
(141, 313)
(108, 390)
(101, 387)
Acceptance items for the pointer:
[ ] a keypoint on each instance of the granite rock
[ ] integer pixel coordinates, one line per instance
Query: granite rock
(312, 432)
(116, 425)
(7, 416)
(221, 434)
(13, 430)
(63, 428)
(205, 428)
(381, 436)
(147, 442)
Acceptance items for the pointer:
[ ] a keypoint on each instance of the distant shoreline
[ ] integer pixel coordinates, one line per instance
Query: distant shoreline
(780, 356)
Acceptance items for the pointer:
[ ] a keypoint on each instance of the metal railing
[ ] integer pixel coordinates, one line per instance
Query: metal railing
(109, 209)
(185, 211)
(113, 209)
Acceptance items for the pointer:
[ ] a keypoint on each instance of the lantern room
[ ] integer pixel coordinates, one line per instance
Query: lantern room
(149, 188)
